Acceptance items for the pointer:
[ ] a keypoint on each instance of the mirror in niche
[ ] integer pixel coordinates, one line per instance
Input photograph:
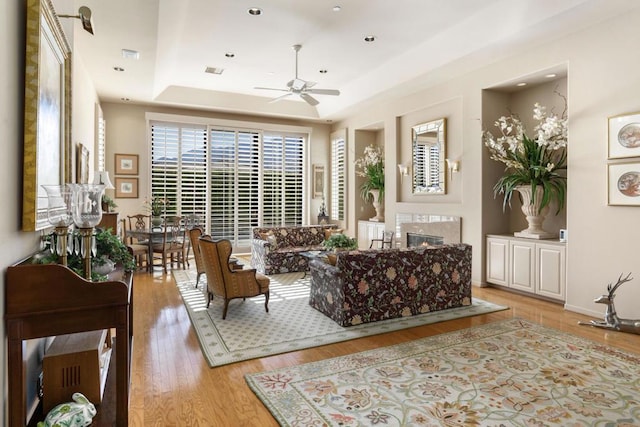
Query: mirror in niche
(429, 142)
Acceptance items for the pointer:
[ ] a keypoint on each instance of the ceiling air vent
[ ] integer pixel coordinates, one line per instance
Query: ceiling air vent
(214, 70)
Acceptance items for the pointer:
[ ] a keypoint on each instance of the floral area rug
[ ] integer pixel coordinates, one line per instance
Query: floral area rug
(291, 323)
(508, 373)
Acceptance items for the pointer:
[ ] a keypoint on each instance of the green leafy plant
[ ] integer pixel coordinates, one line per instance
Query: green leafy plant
(107, 244)
(371, 167)
(534, 162)
(108, 203)
(157, 206)
(340, 241)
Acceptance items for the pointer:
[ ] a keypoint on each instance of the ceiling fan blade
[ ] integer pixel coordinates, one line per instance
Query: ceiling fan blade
(324, 91)
(310, 99)
(271, 88)
(279, 98)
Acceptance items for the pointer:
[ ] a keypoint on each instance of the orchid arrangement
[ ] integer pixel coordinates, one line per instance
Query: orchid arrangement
(371, 167)
(534, 162)
(157, 205)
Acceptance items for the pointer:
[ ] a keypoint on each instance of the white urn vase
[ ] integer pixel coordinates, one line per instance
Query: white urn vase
(378, 205)
(535, 217)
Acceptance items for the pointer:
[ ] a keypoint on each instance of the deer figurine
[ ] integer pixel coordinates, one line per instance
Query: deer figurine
(611, 319)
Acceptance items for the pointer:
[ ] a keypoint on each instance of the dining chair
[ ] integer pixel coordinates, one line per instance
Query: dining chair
(139, 222)
(191, 221)
(140, 251)
(171, 248)
(225, 281)
(386, 240)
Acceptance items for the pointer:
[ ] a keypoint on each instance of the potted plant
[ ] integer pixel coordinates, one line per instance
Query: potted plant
(532, 165)
(108, 204)
(157, 207)
(340, 242)
(371, 167)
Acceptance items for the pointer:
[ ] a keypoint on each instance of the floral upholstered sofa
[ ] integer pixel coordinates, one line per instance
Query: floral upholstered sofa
(277, 250)
(377, 284)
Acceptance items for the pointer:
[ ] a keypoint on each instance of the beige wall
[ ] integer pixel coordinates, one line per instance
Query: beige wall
(601, 238)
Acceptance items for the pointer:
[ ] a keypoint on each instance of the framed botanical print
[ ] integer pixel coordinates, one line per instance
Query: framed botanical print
(624, 136)
(624, 184)
(318, 181)
(126, 164)
(126, 188)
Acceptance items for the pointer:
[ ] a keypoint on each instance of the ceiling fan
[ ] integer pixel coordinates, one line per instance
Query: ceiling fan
(301, 87)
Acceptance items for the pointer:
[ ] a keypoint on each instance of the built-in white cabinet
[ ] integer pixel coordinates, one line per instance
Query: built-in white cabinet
(535, 266)
(368, 230)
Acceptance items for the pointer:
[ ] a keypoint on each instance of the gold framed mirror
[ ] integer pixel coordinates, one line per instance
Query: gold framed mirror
(429, 142)
(47, 127)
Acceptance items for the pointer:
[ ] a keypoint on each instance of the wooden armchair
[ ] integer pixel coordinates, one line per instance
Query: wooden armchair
(171, 248)
(226, 282)
(386, 240)
(194, 236)
(139, 251)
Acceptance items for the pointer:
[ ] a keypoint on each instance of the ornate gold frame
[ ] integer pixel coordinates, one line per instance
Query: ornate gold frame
(48, 56)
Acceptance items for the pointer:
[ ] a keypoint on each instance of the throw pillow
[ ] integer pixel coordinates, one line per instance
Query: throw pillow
(270, 238)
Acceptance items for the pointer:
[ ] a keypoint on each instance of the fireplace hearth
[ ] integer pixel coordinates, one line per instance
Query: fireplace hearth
(438, 229)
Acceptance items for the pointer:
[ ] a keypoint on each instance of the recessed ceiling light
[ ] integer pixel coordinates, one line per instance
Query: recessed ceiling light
(214, 70)
(118, 68)
(550, 76)
(369, 38)
(125, 99)
(323, 71)
(521, 84)
(130, 54)
(255, 11)
(336, 8)
(230, 55)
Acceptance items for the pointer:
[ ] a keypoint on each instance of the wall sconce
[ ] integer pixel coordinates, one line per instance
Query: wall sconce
(453, 166)
(404, 171)
(84, 15)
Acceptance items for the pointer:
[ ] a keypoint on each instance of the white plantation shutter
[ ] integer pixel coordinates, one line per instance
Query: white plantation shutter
(234, 179)
(338, 181)
(283, 180)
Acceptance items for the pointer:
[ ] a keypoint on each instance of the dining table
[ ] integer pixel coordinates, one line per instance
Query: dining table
(150, 237)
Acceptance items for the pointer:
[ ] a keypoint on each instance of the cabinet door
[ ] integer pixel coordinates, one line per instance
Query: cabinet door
(497, 261)
(363, 235)
(551, 273)
(522, 274)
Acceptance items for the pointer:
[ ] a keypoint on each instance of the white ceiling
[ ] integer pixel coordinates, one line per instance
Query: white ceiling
(416, 40)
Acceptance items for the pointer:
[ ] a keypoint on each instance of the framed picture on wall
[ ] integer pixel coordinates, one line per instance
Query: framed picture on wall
(126, 164)
(318, 181)
(624, 184)
(126, 188)
(624, 136)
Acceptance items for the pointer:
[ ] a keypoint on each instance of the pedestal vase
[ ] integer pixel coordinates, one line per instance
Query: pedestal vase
(535, 217)
(378, 205)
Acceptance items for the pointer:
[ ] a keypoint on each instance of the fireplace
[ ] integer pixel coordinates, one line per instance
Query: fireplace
(418, 239)
(438, 229)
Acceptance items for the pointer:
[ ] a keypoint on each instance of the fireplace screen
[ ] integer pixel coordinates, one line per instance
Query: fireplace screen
(417, 239)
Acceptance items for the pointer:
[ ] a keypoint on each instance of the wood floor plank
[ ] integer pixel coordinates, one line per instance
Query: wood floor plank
(172, 385)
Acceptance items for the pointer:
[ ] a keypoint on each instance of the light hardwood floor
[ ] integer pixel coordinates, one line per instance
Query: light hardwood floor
(172, 385)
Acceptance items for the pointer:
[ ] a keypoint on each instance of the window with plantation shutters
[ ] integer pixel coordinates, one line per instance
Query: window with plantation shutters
(233, 179)
(338, 181)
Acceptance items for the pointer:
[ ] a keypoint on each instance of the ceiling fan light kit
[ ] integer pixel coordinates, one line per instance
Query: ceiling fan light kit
(300, 87)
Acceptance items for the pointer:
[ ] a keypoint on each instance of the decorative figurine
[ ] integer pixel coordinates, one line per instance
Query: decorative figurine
(611, 319)
(78, 413)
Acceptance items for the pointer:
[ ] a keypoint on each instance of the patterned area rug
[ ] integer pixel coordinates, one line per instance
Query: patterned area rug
(291, 324)
(509, 373)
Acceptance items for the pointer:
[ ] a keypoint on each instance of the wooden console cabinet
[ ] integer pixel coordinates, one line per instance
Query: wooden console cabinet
(51, 300)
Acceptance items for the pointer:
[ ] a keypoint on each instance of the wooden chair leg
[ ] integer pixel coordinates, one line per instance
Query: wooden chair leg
(224, 311)
(266, 301)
